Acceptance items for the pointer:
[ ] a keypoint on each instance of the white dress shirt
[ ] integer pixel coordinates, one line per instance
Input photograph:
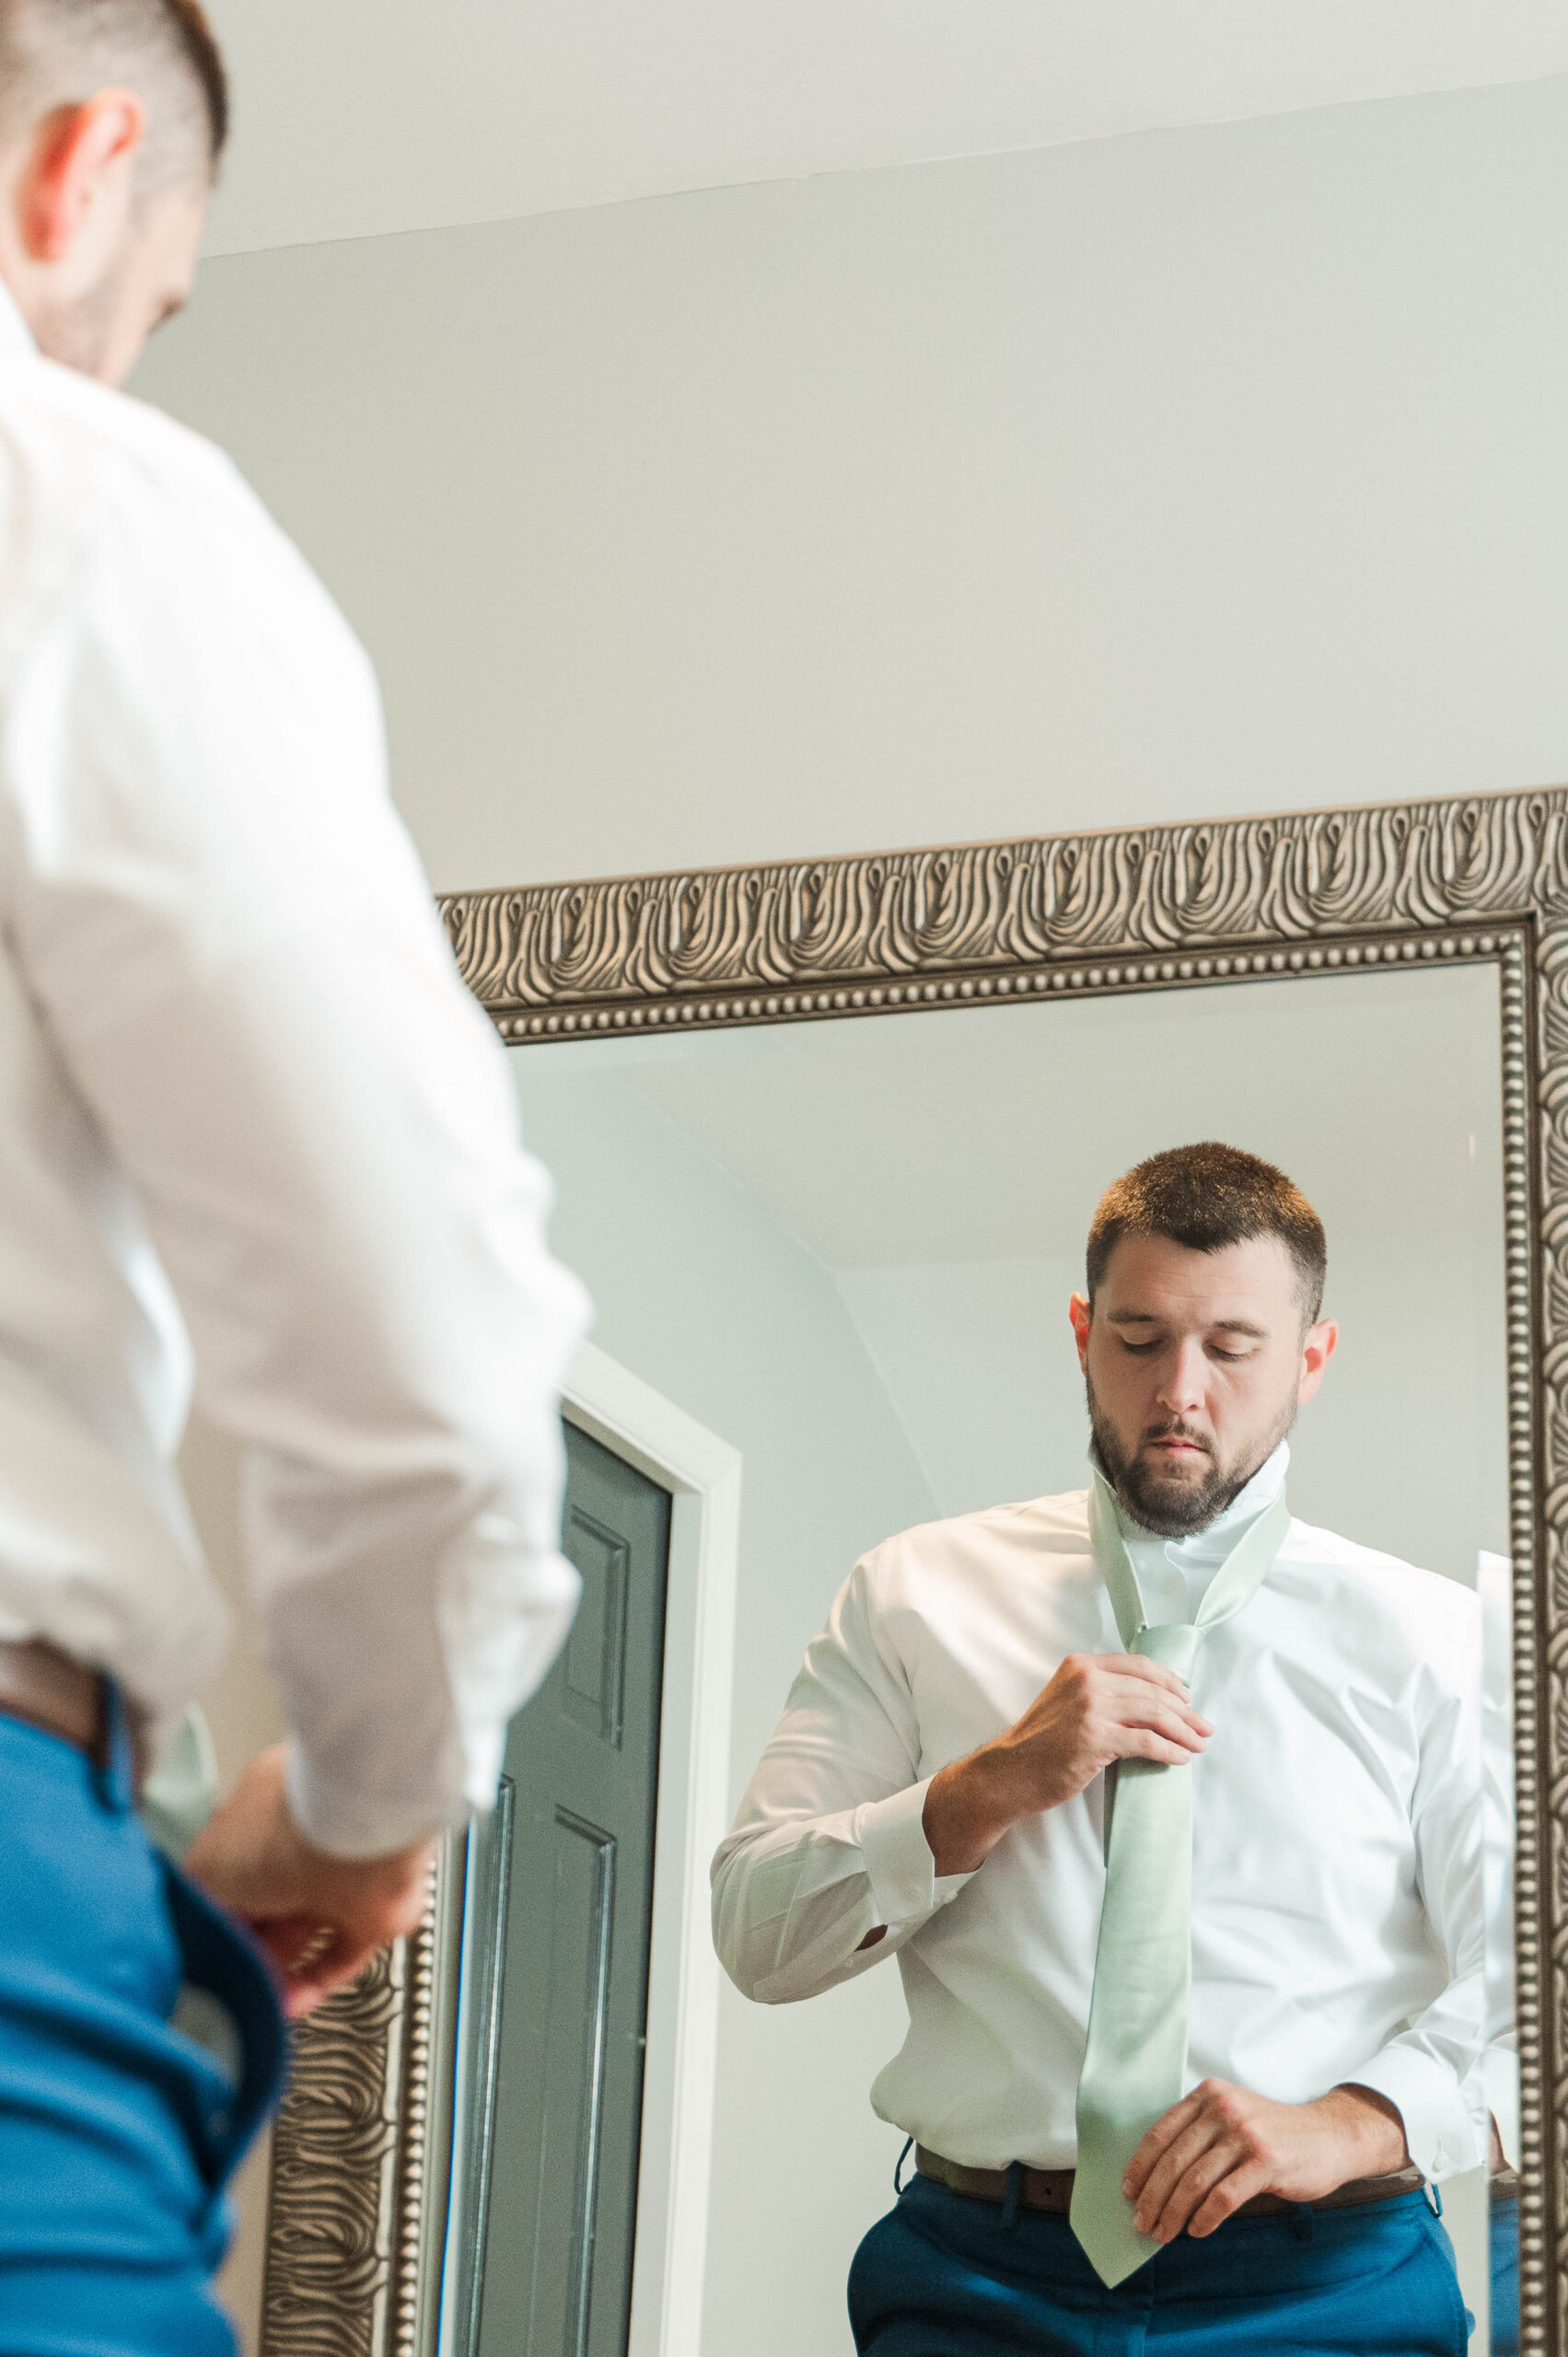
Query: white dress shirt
(252, 1128)
(1337, 1930)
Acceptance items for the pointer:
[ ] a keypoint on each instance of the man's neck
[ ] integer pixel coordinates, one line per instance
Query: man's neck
(1259, 1489)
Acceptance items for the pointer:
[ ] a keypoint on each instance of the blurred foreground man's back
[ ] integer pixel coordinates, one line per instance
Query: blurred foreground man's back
(253, 1136)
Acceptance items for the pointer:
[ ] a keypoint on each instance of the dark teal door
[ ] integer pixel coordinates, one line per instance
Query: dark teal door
(558, 1970)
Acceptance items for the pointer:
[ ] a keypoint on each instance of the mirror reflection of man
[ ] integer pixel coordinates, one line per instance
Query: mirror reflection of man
(252, 1128)
(1168, 1804)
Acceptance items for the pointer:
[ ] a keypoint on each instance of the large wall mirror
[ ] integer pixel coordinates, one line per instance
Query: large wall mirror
(827, 1141)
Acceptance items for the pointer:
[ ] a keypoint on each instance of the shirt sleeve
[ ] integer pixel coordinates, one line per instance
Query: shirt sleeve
(828, 1842)
(1432, 2070)
(230, 938)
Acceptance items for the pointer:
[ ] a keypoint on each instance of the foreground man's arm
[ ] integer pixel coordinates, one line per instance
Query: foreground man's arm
(241, 964)
(321, 1919)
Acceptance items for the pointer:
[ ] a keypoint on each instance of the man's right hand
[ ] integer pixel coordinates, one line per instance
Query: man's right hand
(321, 1919)
(1098, 1708)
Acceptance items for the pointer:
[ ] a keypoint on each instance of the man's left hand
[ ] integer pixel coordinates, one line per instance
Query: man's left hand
(321, 1918)
(1220, 2145)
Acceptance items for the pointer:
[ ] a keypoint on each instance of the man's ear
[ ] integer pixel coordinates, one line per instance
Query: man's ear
(1079, 1313)
(79, 153)
(1317, 1348)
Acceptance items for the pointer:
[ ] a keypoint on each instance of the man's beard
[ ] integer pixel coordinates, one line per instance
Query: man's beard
(1172, 1509)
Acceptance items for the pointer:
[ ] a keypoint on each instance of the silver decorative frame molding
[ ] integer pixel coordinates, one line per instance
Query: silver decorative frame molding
(348, 2212)
(352, 2237)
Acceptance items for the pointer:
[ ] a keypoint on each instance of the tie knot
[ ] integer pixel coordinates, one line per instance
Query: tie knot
(1174, 1645)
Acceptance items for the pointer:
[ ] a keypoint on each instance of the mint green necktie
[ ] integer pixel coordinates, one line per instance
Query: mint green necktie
(178, 1796)
(1136, 2057)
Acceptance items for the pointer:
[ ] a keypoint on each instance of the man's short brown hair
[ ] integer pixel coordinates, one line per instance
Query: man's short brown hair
(1206, 1197)
(59, 52)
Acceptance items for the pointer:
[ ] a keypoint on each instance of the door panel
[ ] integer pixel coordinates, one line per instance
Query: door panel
(558, 1971)
(571, 2117)
(595, 1650)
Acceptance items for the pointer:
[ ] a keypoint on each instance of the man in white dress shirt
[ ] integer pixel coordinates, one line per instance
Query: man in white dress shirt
(254, 1137)
(936, 1790)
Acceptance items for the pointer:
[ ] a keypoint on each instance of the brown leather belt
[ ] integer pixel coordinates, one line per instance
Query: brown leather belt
(1051, 2189)
(50, 1691)
(53, 1692)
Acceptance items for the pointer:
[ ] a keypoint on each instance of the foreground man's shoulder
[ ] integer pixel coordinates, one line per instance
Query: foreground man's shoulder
(54, 418)
(87, 469)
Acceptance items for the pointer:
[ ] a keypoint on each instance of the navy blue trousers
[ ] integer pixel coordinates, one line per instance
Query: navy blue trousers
(942, 2276)
(1504, 2226)
(118, 2131)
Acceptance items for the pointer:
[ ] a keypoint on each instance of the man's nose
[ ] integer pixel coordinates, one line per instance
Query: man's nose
(1181, 1385)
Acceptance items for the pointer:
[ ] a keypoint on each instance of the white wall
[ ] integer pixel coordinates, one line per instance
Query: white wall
(1195, 472)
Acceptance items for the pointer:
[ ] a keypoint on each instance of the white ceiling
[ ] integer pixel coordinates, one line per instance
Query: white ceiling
(360, 117)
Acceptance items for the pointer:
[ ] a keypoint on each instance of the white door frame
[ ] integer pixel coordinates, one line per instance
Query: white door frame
(703, 1474)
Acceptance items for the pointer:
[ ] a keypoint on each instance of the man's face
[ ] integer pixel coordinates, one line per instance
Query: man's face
(1195, 1363)
(145, 277)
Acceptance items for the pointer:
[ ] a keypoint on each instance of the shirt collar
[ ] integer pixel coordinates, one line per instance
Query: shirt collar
(17, 339)
(1217, 1539)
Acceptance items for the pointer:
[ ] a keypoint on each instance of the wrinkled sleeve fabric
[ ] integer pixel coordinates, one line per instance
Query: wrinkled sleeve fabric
(1431, 2071)
(828, 1843)
(230, 937)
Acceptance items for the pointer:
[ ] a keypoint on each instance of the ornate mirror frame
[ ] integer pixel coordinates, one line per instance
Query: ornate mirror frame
(353, 2234)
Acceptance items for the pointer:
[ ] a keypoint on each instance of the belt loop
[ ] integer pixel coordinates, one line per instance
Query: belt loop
(898, 2165)
(116, 1770)
(1301, 2222)
(1009, 2218)
(1434, 2199)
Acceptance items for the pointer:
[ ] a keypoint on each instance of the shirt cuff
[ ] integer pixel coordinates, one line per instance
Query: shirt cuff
(1501, 2079)
(1439, 2130)
(346, 1825)
(905, 1884)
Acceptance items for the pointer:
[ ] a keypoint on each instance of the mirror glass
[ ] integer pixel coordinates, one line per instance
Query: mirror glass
(846, 1248)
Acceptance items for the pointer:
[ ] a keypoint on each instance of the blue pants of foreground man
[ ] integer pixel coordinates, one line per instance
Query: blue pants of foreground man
(118, 2130)
(1504, 2223)
(944, 2276)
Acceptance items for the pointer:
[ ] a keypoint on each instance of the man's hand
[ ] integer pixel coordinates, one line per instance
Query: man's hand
(1220, 2145)
(322, 1919)
(1098, 1708)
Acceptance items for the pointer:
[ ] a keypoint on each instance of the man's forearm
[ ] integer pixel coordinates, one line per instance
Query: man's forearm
(1098, 1708)
(321, 1918)
(968, 1809)
(1373, 2128)
(1208, 2155)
